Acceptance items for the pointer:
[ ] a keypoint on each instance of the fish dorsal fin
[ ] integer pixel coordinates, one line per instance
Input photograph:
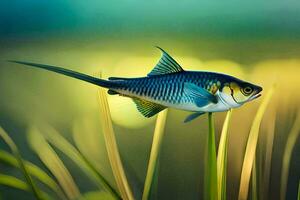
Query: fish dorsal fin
(165, 65)
(148, 109)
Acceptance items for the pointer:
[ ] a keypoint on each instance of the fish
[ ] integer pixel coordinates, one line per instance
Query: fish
(168, 85)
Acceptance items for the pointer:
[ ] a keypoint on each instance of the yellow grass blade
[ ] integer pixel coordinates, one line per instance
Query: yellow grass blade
(251, 146)
(254, 181)
(36, 192)
(69, 150)
(291, 141)
(155, 149)
(269, 149)
(112, 148)
(222, 158)
(34, 171)
(210, 184)
(49, 157)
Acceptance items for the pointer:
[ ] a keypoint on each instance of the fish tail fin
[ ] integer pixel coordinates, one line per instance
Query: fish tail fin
(70, 73)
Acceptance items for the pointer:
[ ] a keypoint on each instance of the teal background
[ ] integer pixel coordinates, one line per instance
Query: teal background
(108, 36)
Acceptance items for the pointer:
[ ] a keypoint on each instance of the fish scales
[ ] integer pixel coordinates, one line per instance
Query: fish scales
(169, 87)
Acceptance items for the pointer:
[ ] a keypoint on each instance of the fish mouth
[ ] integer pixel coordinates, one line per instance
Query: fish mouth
(256, 95)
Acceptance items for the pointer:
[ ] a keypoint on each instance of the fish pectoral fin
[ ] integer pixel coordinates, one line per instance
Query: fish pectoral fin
(165, 65)
(201, 96)
(147, 108)
(193, 116)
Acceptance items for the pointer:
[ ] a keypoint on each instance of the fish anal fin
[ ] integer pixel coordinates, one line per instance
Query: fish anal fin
(147, 108)
(165, 65)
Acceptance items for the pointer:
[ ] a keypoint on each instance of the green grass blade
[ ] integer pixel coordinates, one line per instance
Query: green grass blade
(36, 192)
(251, 146)
(112, 148)
(298, 198)
(34, 171)
(69, 150)
(290, 144)
(49, 157)
(210, 184)
(154, 154)
(222, 158)
(13, 182)
(97, 195)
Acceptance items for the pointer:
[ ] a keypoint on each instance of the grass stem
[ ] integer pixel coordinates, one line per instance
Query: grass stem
(222, 158)
(268, 155)
(112, 148)
(254, 181)
(154, 154)
(211, 185)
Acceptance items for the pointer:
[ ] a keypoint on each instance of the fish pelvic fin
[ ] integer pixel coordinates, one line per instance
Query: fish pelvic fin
(193, 116)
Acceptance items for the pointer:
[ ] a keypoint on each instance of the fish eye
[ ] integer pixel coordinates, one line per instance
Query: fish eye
(247, 90)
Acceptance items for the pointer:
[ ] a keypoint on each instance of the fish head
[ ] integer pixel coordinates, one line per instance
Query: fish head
(240, 92)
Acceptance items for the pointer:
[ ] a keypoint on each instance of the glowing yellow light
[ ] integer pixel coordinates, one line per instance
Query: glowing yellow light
(226, 67)
(123, 110)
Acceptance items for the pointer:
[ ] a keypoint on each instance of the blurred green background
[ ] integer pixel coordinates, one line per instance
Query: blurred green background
(253, 40)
